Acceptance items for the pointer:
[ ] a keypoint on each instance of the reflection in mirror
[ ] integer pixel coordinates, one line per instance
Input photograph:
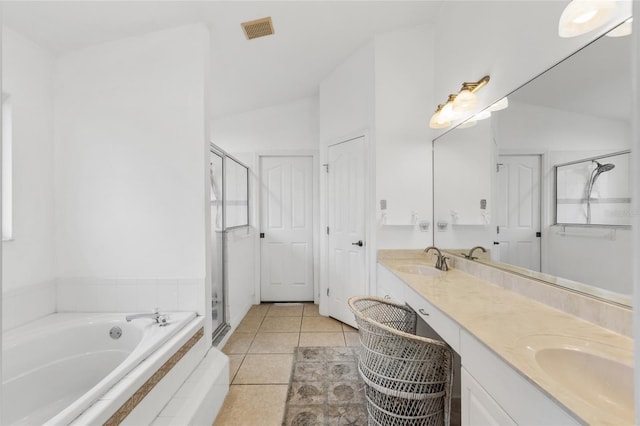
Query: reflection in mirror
(495, 182)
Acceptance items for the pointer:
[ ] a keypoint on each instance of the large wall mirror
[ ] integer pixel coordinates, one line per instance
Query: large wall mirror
(559, 149)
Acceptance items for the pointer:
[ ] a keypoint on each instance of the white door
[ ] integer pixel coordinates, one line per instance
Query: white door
(519, 210)
(286, 244)
(346, 219)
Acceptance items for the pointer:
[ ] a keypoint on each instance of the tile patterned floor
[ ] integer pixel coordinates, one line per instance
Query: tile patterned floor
(261, 352)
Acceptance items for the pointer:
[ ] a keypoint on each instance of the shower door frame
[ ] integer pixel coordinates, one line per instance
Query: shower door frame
(219, 332)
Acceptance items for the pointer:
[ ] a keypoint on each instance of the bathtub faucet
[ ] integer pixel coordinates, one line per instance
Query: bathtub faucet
(159, 318)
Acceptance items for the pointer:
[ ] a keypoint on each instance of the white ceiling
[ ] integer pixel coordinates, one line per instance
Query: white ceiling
(311, 37)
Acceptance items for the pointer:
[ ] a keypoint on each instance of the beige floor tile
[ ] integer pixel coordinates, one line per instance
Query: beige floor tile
(348, 329)
(260, 310)
(322, 339)
(310, 310)
(264, 369)
(249, 324)
(313, 324)
(274, 343)
(238, 343)
(234, 364)
(280, 325)
(285, 311)
(352, 339)
(251, 405)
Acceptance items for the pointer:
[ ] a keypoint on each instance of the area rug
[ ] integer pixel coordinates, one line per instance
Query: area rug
(325, 388)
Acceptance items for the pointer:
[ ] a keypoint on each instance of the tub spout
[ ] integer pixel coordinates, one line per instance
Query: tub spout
(155, 315)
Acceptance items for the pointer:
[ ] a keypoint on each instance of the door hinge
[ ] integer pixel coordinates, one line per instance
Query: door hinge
(538, 234)
(327, 230)
(498, 167)
(327, 291)
(497, 229)
(262, 235)
(326, 167)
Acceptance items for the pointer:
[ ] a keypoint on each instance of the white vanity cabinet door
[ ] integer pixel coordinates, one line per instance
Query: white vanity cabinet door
(478, 408)
(446, 328)
(389, 286)
(522, 401)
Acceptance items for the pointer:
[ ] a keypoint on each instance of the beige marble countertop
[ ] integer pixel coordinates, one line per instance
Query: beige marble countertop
(503, 321)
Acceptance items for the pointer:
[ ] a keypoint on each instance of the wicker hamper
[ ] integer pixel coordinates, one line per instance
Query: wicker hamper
(408, 378)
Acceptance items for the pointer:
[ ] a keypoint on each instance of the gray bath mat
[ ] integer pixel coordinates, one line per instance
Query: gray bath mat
(325, 388)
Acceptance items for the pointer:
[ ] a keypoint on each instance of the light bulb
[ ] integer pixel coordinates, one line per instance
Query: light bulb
(466, 100)
(582, 16)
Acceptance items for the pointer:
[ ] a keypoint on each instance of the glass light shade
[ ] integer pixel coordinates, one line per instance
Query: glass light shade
(436, 121)
(466, 100)
(582, 16)
(482, 115)
(501, 104)
(624, 29)
(468, 123)
(447, 113)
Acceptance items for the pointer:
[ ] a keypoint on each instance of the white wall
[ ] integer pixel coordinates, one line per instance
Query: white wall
(404, 73)
(635, 155)
(130, 148)
(293, 125)
(28, 260)
(347, 98)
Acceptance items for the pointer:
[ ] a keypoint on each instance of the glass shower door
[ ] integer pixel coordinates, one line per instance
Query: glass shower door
(216, 174)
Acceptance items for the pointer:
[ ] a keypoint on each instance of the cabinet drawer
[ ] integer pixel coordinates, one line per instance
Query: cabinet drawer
(441, 324)
(389, 286)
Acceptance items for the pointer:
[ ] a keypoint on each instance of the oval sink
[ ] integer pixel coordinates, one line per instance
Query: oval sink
(425, 270)
(597, 373)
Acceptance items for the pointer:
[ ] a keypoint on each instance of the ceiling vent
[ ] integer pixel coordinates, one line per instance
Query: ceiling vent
(258, 28)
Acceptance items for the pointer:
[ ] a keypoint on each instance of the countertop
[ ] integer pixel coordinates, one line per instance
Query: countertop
(503, 321)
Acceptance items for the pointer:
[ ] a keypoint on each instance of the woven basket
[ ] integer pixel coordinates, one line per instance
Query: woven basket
(408, 377)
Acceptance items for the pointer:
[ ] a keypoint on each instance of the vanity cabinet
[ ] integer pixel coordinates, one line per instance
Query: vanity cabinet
(446, 328)
(478, 408)
(493, 393)
(389, 286)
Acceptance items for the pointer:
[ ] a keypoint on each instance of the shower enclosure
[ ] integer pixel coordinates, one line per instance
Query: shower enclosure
(229, 209)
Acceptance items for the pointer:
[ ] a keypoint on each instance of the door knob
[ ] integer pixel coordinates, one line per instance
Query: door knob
(359, 244)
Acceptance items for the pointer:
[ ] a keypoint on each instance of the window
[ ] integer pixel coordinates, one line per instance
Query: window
(7, 184)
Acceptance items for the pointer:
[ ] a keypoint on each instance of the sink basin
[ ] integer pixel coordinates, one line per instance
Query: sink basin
(598, 374)
(425, 270)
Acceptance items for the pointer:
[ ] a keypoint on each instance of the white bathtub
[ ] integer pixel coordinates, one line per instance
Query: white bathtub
(54, 369)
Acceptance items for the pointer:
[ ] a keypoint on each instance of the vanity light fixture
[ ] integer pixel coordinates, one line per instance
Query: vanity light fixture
(622, 30)
(499, 105)
(582, 16)
(448, 113)
(482, 115)
(466, 100)
(436, 121)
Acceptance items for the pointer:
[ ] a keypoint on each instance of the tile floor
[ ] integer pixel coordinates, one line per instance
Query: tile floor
(261, 354)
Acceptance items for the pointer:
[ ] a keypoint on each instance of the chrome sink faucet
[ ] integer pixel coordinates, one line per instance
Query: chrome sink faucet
(470, 256)
(159, 318)
(441, 261)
